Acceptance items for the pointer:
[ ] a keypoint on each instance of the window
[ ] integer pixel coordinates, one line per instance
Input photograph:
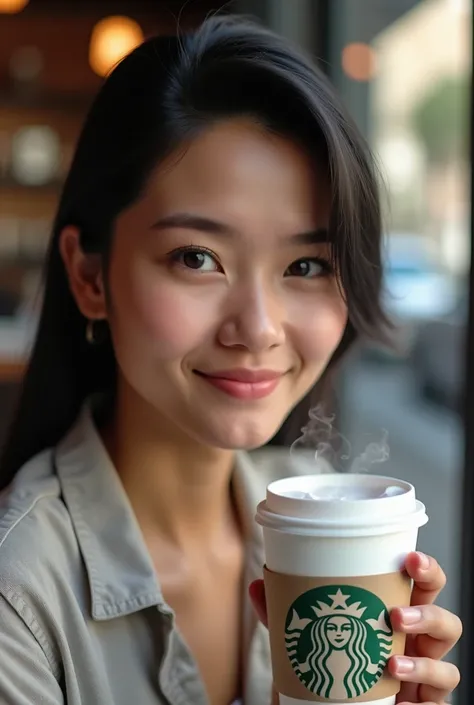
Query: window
(403, 68)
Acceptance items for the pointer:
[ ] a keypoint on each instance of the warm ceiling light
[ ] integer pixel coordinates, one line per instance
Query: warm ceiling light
(112, 38)
(10, 7)
(359, 61)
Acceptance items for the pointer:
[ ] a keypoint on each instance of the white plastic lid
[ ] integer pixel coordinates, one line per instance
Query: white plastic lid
(341, 505)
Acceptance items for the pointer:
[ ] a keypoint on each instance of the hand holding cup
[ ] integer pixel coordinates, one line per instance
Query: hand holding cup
(336, 549)
(429, 639)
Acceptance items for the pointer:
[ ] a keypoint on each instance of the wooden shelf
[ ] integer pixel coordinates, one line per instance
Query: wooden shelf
(11, 371)
(72, 102)
(28, 201)
(51, 188)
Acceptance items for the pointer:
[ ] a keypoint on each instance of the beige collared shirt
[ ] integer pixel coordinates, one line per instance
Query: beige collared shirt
(82, 617)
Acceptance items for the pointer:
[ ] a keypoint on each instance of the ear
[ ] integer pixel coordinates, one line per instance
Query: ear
(85, 274)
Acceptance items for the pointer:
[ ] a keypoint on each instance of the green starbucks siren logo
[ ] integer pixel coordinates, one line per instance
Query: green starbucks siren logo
(339, 640)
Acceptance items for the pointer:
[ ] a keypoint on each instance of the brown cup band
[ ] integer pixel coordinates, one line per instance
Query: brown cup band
(331, 638)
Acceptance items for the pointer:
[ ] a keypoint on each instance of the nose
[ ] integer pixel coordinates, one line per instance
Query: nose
(256, 321)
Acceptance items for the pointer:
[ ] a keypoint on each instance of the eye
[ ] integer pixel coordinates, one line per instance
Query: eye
(309, 268)
(197, 258)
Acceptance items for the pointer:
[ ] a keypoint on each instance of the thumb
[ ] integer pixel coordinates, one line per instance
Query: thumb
(257, 597)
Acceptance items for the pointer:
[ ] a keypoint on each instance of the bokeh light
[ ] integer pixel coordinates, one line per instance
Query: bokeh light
(10, 7)
(26, 63)
(359, 61)
(112, 38)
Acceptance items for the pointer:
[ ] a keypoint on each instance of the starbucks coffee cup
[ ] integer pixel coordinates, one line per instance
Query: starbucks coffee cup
(335, 549)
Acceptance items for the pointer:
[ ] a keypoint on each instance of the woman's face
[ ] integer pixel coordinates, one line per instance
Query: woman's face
(339, 630)
(224, 309)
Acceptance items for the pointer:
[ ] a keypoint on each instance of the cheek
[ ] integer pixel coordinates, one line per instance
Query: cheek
(320, 327)
(156, 316)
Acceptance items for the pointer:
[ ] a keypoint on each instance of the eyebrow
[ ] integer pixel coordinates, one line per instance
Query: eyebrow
(188, 221)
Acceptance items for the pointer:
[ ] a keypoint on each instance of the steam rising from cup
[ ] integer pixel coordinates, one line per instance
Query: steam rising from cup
(329, 445)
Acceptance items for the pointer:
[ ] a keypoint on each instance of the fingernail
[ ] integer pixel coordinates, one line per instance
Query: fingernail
(424, 561)
(405, 665)
(411, 615)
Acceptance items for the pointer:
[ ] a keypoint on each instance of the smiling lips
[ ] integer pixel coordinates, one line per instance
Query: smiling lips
(243, 383)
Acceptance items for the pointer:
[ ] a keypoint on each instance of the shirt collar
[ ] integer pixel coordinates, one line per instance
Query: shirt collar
(121, 574)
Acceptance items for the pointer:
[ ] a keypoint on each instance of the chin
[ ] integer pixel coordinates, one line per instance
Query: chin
(242, 435)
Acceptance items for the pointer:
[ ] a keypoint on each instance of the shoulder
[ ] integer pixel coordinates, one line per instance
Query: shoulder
(37, 541)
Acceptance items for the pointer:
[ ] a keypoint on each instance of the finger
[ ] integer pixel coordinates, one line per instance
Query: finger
(432, 694)
(257, 597)
(441, 628)
(432, 631)
(428, 575)
(436, 678)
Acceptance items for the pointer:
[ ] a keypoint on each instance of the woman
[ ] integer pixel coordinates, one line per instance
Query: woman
(216, 249)
(339, 644)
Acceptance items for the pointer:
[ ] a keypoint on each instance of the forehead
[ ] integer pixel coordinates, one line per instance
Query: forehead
(245, 173)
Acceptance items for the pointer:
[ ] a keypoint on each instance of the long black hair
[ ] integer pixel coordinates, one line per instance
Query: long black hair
(163, 93)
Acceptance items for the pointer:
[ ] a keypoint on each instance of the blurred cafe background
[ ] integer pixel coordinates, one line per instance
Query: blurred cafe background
(404, 70)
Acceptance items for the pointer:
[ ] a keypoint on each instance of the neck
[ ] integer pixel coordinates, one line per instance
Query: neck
(179, 489)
